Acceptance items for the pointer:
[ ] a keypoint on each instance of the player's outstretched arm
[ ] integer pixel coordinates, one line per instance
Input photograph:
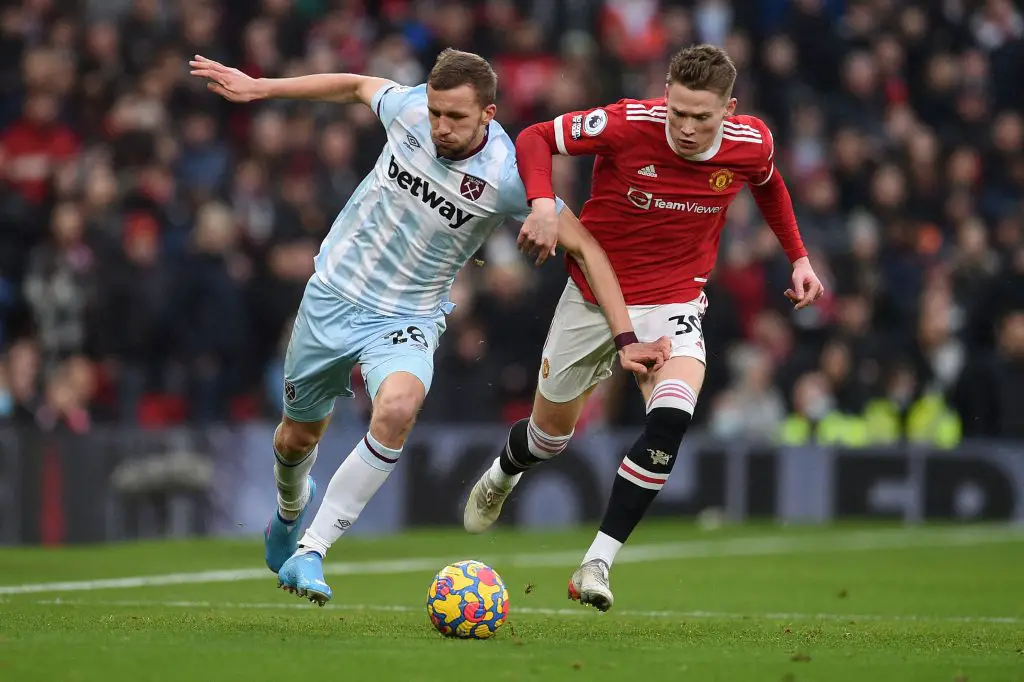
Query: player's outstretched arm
(593, 261)
(235, 86)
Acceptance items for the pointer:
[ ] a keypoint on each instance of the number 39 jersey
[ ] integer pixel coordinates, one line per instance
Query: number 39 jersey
(417, 219)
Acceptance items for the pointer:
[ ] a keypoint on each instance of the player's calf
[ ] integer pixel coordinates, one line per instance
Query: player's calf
(646, 467)
(295, 451)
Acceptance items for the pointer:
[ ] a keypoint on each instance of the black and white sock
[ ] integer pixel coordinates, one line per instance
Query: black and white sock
(526, 446)
(646, 467)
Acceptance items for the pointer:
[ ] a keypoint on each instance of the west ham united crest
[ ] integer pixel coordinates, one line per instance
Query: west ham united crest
(472, 187)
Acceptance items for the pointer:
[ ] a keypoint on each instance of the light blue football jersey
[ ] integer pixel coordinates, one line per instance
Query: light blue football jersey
(417, 219)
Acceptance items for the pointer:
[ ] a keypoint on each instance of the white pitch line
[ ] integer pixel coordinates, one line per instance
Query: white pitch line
(533, 611)
(695, 549)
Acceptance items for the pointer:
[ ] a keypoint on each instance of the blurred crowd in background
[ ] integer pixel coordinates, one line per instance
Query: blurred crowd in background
(155, 240)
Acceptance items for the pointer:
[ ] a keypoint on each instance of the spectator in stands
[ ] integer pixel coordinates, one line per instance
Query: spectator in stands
(165, 237)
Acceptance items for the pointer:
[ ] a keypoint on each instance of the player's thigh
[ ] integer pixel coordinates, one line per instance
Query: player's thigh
(578, 354)
(403, 345)
(319, 360)
(680, 322)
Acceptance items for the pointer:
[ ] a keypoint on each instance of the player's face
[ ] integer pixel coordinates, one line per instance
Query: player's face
(457, 121)
(694, 117)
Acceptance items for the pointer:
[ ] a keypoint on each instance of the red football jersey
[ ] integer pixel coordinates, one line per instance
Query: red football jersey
(657, 214)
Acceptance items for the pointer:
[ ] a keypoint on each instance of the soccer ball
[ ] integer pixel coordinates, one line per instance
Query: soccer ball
(467, 600)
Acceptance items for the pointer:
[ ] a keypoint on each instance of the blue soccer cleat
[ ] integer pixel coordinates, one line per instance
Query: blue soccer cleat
(281, 538)
(303, 575)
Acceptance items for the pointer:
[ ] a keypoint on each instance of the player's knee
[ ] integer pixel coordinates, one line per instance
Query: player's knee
(556, 425)
(294, 440)
(556, 419)
(396, 408)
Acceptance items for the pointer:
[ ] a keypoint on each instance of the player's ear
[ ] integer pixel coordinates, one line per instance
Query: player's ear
(489, 111)
(730, 106)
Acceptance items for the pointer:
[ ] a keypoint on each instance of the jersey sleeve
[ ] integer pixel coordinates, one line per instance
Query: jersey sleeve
(391, 99)
(595, 131)
(766, 167)
(512, 197)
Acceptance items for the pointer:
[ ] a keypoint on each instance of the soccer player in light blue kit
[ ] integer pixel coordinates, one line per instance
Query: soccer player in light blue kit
(446, 179)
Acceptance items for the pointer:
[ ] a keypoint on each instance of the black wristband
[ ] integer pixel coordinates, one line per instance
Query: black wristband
(624, 339)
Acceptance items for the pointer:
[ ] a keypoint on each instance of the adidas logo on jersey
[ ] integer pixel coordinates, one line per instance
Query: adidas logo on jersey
(421, 189)
(648, 170)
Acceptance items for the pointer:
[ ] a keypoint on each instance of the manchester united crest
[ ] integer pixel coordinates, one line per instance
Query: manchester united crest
(472, 187)
(659, 457)
(720, 179)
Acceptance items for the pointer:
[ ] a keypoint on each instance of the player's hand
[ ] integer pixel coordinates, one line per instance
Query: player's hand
(229, 83)
(539, 235)
(807, 287)
(642, 358)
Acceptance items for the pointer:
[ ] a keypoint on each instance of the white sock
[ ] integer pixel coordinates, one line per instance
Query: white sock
(604, 547)
(358, 478)
(501, 480)
(292, 483)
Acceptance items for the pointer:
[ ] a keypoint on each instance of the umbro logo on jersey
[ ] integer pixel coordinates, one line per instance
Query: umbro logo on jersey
(648, 170)
(421, 189)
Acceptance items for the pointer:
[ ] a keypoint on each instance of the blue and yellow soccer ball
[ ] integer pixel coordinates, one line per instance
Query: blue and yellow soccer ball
(467, 600)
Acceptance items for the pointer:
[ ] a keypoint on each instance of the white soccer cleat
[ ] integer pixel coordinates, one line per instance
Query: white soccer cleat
(484, 505)
(589, 585)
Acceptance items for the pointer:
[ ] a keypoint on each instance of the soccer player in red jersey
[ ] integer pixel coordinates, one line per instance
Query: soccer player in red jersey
(665, 173)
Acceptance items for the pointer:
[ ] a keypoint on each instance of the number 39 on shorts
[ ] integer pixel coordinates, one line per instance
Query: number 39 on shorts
(686, 324)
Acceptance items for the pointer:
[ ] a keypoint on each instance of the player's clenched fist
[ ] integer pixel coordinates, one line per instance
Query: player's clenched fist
(539, 234)
(229, 83)
(642, 358)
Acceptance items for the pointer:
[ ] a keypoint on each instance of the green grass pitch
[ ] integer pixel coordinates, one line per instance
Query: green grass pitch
(737, 604)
